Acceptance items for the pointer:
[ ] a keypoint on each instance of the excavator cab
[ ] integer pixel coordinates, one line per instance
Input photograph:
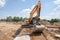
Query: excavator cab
(35, 21)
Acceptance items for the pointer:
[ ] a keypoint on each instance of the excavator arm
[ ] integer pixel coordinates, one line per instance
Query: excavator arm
(36, 8)
(32, 12)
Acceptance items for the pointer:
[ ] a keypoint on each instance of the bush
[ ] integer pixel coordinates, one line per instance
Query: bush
(54, 20)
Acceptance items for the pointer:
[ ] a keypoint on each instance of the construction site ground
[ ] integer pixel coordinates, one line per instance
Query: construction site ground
(7, 30)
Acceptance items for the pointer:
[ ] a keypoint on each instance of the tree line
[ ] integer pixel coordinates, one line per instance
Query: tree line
(14, 19)
(52, 20)
(17, 19)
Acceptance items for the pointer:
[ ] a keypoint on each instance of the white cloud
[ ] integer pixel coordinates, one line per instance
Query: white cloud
(57, 2)
(55, 13)
(58, 7)
(2, 3)
(52, 15)
(26, 12)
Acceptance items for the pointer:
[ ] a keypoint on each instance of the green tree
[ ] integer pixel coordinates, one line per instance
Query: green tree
(16, 19)
(54, 20)
(21, 19)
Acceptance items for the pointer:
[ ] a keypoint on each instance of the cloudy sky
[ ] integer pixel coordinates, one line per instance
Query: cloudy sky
(22, 8)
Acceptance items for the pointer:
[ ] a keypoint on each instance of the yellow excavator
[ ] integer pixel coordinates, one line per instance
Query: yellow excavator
(36, 19)
(33, 21)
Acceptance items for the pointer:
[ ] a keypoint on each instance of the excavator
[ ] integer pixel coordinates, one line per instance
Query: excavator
(33, 21)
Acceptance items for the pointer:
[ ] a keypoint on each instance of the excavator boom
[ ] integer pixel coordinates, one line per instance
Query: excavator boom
(36, 8)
